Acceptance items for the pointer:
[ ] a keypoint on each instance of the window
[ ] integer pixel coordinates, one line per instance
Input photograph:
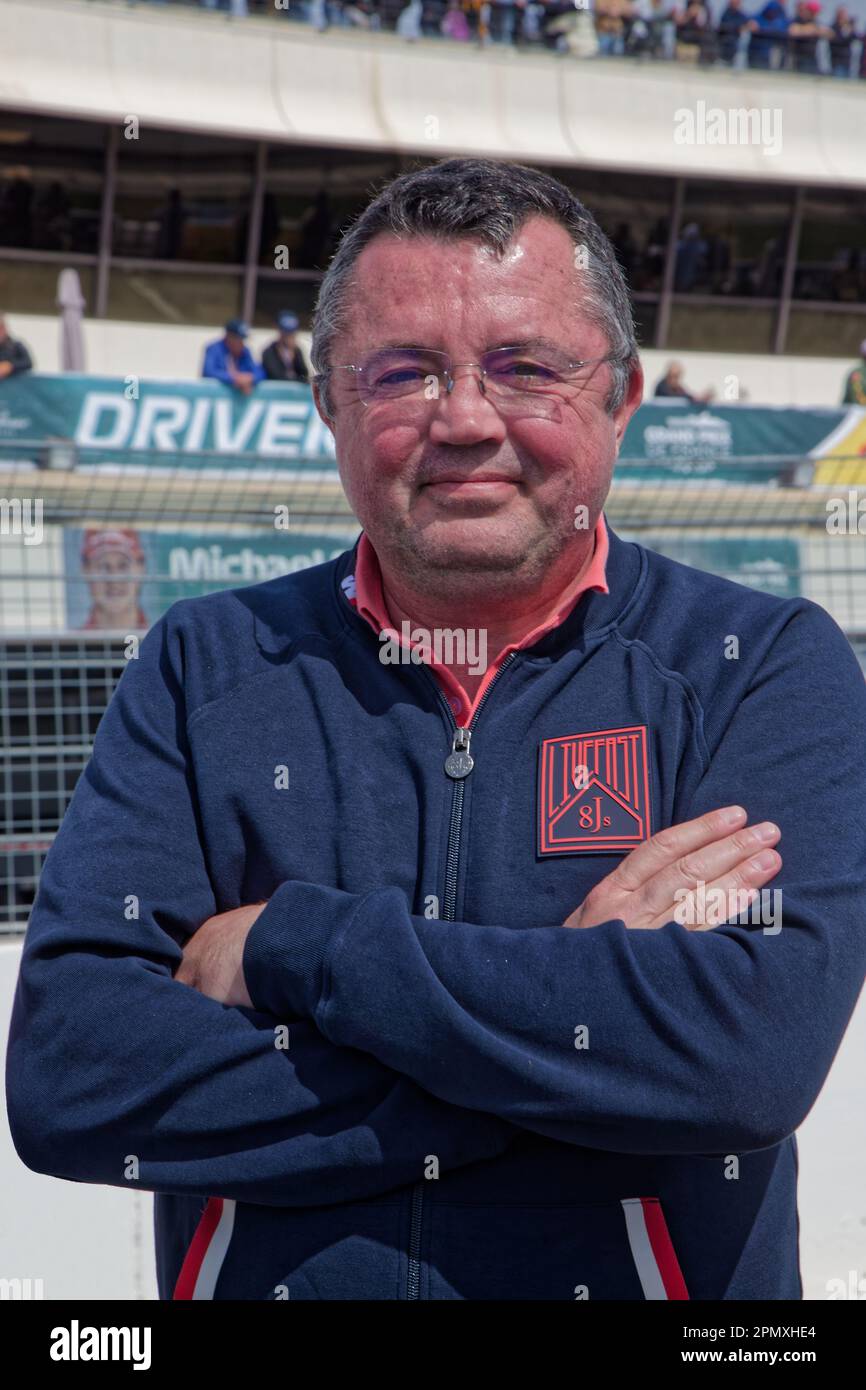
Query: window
(51, 182)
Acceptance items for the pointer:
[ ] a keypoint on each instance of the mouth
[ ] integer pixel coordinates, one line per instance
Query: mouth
(472, 485)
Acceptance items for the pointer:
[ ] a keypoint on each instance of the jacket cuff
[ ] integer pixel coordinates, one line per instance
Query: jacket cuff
(286, 948)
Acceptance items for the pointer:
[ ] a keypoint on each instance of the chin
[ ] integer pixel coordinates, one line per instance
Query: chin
(483, 554)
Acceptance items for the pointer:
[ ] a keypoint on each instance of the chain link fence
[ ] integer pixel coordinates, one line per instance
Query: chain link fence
(95, 548)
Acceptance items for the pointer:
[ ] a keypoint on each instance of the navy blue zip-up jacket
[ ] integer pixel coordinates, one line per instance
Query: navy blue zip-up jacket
(480, 1103)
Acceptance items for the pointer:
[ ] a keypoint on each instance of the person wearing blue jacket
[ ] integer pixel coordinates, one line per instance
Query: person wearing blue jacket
(417, 928)
(230, 361)
(768, 30)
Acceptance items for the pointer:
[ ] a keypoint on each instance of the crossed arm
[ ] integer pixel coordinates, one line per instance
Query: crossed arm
(410, 1036)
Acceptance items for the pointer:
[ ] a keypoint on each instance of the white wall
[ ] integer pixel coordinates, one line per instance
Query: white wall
(94, 1242)
(114, 348)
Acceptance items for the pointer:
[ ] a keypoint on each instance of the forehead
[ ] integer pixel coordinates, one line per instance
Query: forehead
(438, 291)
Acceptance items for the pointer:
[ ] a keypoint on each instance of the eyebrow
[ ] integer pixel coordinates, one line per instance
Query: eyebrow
(398, 345)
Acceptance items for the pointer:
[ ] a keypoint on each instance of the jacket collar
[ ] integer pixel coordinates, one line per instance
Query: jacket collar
(595, 610)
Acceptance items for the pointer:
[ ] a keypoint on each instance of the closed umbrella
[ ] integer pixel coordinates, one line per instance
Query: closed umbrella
(70, 302)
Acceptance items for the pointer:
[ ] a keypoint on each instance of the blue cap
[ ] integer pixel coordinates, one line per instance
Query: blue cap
(239, 327)
(288, 323)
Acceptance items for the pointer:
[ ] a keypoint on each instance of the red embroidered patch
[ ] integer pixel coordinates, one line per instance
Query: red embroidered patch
(593, 792)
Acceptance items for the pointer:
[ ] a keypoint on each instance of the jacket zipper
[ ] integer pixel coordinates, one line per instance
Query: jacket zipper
(458, 766)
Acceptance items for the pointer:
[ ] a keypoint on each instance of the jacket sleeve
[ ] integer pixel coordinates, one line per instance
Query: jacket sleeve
(21, 359)
(696, 1041)
(248, 363)
(214, 365)
(112, 1061)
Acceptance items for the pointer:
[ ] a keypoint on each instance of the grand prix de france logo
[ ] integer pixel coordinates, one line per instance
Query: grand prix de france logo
(593, 792)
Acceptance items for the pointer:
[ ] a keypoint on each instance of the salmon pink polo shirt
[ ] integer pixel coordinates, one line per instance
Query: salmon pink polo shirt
(364, 592)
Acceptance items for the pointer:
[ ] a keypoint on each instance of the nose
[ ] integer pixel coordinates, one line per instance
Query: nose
(464, 414)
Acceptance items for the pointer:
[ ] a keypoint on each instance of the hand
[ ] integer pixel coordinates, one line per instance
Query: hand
(641, 889)
(213, 957)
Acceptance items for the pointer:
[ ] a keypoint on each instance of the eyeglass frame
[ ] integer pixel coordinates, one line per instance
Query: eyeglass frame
(448, 371)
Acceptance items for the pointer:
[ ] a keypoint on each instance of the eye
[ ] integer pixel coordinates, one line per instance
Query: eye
(393, 373)
(398, 376)
(524, 370)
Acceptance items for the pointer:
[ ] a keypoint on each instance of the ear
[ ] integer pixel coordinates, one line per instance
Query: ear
(317, 398)
(633, 398)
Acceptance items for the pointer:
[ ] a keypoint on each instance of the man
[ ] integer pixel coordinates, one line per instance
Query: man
(768, 35)
(282, 360)
(230, 361)
(855, 383)
(804, 31)
(732, 22)
(14, 357)
(359, 934)
(672, 384)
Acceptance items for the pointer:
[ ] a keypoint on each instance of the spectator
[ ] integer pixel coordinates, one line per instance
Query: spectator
(694, 33)
(171, 225)
(282, 359)
(506, 13)
(455, 25)
(230, 361)
(844, 32)
(768, 31)
(14, 357)
(612, 21)
(731, 24)
(855, 384)
(646, 35)
(362, 13)
(671, 384)
(804, 31)
(691, 258)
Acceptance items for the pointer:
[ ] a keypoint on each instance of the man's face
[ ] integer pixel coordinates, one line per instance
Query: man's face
(457, 297)
(235, 344)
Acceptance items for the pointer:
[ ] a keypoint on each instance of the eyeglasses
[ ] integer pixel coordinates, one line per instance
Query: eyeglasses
(509, 376)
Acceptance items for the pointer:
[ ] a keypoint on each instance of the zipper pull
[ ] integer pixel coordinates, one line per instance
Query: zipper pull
(459, 763)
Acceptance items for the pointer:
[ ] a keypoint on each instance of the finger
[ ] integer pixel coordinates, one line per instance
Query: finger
(723, 898)
(708, 863)
(670, 844)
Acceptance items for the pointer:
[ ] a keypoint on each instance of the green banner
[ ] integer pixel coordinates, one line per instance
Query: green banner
(768, 562)
(125, 577)
(174, 423)
(113, 423)
(668, 440)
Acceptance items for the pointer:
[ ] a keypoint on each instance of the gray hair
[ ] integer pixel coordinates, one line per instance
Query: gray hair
(489, 201)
